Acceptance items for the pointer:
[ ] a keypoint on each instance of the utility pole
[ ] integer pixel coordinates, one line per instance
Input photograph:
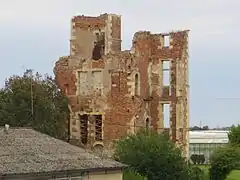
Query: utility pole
(31, 88)
(32, 95)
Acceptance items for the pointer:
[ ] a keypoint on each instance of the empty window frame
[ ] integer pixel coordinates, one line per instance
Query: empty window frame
(166, 73)
(137, 85)
(99, 46)
(166, 115)
(66, 88)
(147, 124)
(84, 128)
(98, 127)
(166, 41)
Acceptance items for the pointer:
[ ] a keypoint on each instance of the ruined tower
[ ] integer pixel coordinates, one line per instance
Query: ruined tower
(113, 92)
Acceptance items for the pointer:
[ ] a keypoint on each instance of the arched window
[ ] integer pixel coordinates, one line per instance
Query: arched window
(137, 87)
(147, 124)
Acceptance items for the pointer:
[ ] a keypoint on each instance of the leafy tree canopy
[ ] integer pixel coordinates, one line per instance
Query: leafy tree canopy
(234, 135)
(197, 128)
(152, 155)
(223, 161)
(34, 101)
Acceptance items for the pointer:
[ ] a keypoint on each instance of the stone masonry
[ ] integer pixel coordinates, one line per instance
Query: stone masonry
(113, 92)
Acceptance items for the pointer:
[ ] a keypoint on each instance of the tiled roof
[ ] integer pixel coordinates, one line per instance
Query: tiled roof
(25, 150)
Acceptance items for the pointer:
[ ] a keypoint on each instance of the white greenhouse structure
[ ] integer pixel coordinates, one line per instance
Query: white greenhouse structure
(204, 142)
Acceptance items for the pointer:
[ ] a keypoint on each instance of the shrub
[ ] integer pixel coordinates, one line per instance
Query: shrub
(193, 157)
(201, 158)
(129, 175)
(152, 155)
(196, 173)
(234, 135)
(197, 158)
(223, 161)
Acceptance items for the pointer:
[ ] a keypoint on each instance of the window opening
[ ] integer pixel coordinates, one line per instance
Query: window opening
(166, 73)
(166, 41)
(66, 88)
(84, 128)
(99, 46)
(137, 88)
(98, 127)
(166, 115)
(147, 124)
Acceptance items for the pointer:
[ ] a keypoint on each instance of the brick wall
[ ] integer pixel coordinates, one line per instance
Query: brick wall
(112, 92)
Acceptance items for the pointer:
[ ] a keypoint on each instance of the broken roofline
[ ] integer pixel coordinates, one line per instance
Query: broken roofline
(88, 17)
(60, 174)
(99, 16)
(162, 34)
(93, 17)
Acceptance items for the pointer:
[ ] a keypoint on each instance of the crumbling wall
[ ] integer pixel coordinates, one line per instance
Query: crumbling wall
(125, 88)
(150, 51)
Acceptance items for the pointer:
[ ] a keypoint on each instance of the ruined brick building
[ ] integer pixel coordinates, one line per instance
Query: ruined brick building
(114, 92)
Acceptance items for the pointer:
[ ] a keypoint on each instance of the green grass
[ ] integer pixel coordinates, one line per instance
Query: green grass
(234, 175)
(128, 175)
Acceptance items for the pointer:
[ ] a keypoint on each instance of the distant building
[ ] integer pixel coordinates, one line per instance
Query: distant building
(27, 154)
(204, 142)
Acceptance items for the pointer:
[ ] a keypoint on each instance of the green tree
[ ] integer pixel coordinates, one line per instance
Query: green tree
(34, 101)
(223, 161)
(205, 128)
(152, 155)
(196, 173)
(234, 135)
(194, 157)
(201, 158)
(226, 159)
(197, 158)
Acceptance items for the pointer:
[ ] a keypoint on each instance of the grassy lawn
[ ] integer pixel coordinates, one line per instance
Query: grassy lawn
(128, 175)
(235, 175)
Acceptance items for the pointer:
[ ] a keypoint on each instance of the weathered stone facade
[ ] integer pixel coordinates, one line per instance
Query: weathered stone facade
(114, 92)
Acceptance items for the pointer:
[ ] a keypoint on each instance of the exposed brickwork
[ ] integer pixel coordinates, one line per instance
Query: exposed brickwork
(107, 86)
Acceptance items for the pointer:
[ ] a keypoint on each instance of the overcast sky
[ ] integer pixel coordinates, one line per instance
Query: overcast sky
(34, 33)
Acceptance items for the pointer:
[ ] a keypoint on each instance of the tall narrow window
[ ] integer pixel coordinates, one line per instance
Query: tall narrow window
(166, 114)
(98, 128)
(166, 73)
(66, 89)
(147, 124)
(99, 46)
(84, 128)
(166, 41)
(137, 87)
